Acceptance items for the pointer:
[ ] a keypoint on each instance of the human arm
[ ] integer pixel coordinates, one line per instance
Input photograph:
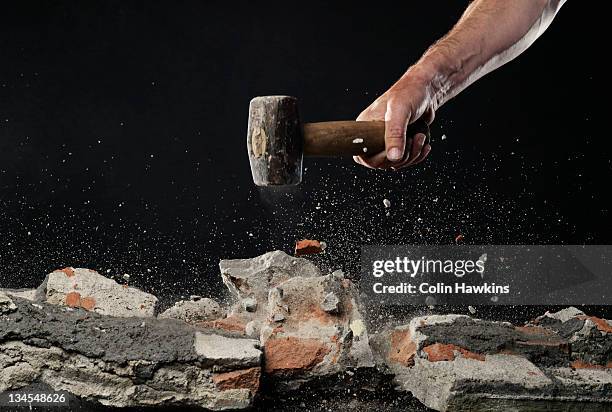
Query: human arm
(489, 34)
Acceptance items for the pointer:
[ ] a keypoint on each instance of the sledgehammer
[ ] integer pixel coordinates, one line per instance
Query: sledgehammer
(277, 141)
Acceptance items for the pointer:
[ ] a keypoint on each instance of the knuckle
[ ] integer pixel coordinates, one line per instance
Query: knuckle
(394, 132)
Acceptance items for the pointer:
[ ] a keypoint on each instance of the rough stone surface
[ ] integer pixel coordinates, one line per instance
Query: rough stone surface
(124, 361)
(563, 315)
(29, 294)
(302, 341)
(235, 323)
(291, 354)
(249, 304)
(330, 303)
(590, 337)
(192, 311)
(6, 304)
(457, 363)
(227, 351)
(250, 281)
(239, 379)
(296, 330)
(309, 325)
(253, 277)
(88, 289)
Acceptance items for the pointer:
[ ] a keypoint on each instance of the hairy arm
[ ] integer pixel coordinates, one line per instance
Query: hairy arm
(489, 34)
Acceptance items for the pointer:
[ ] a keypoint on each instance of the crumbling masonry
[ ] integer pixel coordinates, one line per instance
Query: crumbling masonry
(290, 326)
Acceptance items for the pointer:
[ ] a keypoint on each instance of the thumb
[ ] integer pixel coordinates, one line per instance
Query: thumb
(396, 121)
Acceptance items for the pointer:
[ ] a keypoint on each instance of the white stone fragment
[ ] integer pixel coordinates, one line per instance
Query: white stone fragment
(29, 294)
(204, 309)
(6, 304)
(224, 349)
(111, 298)
(249, 304)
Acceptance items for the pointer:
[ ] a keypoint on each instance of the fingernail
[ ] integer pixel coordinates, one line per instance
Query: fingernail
(394, 154)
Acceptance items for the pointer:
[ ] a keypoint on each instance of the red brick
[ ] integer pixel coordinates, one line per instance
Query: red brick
(230, 324)
(292, 354)
(68, 271)
(88, 303)
(73, 299)
(402, 348)
(446, 352)
(580, 364)
(601, 324)
(243, 378)
(307, 247)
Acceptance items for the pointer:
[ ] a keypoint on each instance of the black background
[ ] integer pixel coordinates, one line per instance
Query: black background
(123, 126)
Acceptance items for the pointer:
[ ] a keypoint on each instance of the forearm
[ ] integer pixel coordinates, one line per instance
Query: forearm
(489, 34)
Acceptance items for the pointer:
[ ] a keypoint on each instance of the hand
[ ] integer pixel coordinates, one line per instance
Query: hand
(409, 99)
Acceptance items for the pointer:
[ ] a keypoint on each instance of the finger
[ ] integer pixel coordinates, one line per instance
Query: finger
(396, 120)
(361, 162)
(367, 161)
(417, 146)
(415, 151)
(377, 161)
(406, 158)
(423, 155)
(357, 160)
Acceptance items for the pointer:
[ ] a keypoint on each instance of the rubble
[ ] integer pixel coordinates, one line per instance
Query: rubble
(253, 277)
(227, 351)
(250, 280)
(299, 331)
(118, 362)
(308, 247)
(249, 304)
(6, 304)
(590, 337)
(330, 303)
(303, 318)
(192, 311)
(88, 289)
(313, 342)
(29, 294)
(457, 363)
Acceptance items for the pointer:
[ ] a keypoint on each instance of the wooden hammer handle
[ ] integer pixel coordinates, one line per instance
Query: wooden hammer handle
(350, 138)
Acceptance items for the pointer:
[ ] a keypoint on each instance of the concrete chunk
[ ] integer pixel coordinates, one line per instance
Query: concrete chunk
(224, 350)
(87, 289)
(253, 277)
(6, 304)
(458, 363)
(29, 294)
(192, 311)
(125, 362)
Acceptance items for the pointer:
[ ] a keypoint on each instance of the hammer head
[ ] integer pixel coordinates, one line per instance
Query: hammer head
(274, 141)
